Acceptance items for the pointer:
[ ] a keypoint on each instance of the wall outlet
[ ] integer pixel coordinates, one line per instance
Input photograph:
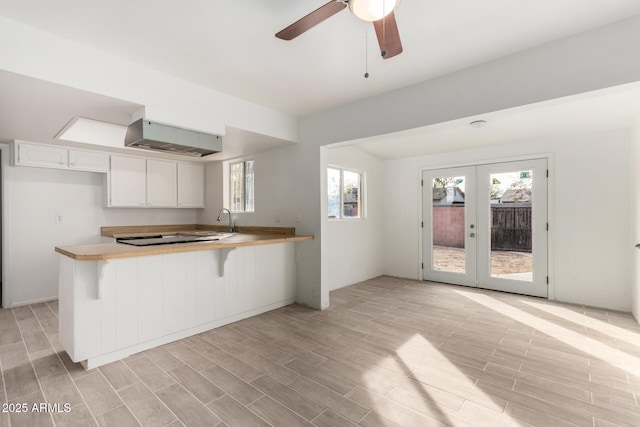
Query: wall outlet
(58, 218)
(314, 292)
(277, 219)
(299, 217)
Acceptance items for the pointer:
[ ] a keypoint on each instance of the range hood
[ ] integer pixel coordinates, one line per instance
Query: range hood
(156, 136)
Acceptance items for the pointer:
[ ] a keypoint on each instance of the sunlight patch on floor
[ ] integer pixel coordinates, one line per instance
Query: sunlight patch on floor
(435, 385)
(610, 330)
(592, 347)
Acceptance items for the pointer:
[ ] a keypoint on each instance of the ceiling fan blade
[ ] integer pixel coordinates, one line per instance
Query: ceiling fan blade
(311, 20)
(388, 36)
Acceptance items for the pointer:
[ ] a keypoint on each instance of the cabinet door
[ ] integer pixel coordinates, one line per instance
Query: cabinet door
(41, 155)
(92, 161)
(127, 179)
(190, 185)
(161, 184)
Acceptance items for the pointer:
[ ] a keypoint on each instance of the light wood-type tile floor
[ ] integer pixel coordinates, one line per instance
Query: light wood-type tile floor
(388, 352)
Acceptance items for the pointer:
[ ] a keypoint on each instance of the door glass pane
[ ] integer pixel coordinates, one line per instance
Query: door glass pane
(448, 250)
(511, 219)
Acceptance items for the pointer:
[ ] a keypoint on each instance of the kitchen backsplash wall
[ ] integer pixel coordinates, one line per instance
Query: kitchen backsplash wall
(275, 198)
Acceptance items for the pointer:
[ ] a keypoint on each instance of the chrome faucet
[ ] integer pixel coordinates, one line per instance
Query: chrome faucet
(230, 219)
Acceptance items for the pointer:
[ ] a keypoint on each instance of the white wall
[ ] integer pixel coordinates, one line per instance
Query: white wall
(590, 219)
(32, 196)
(286, 195)
(274, 191)
(354, 248)
(213, 200)
(635, 218)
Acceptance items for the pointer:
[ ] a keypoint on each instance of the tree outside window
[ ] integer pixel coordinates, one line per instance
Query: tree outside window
(344, 191)
(241, 182)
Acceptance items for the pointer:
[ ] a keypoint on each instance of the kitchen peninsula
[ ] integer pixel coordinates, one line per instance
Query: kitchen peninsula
(116, 300)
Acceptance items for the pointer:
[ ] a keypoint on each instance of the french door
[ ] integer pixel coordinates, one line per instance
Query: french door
(486, 226)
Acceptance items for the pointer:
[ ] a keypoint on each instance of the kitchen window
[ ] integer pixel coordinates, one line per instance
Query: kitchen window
(345, 193)
(241, 188)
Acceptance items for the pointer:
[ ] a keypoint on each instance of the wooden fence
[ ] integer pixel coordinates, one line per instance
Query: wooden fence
(511, 227)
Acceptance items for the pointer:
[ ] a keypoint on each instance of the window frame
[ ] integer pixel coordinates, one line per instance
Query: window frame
(230, 166)
(361, 194)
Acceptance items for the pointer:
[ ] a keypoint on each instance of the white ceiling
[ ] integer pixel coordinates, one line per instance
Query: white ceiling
(230, 45)
(613, 108)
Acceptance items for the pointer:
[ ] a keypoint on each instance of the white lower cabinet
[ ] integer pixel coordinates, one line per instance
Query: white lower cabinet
(110, 310)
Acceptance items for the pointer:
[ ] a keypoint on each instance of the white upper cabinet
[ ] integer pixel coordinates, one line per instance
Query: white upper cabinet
(137, 182)
(48, 156)
(130, 181)
(190, 185)
(51, 156)
(162, 184)
(127, 182)
(86, 160)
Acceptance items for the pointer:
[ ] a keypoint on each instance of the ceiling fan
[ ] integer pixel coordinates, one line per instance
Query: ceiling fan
(380, 12)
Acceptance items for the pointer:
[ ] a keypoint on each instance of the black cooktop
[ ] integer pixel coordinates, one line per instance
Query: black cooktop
(164, 240)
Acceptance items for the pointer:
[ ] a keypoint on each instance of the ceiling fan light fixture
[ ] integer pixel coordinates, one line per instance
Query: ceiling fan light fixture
(372, 10)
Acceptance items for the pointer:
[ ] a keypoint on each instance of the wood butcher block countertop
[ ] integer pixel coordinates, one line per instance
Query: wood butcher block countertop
(243, 236)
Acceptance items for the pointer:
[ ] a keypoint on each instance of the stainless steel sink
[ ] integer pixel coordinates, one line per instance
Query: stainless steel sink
(207, 234)
(214, 237)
